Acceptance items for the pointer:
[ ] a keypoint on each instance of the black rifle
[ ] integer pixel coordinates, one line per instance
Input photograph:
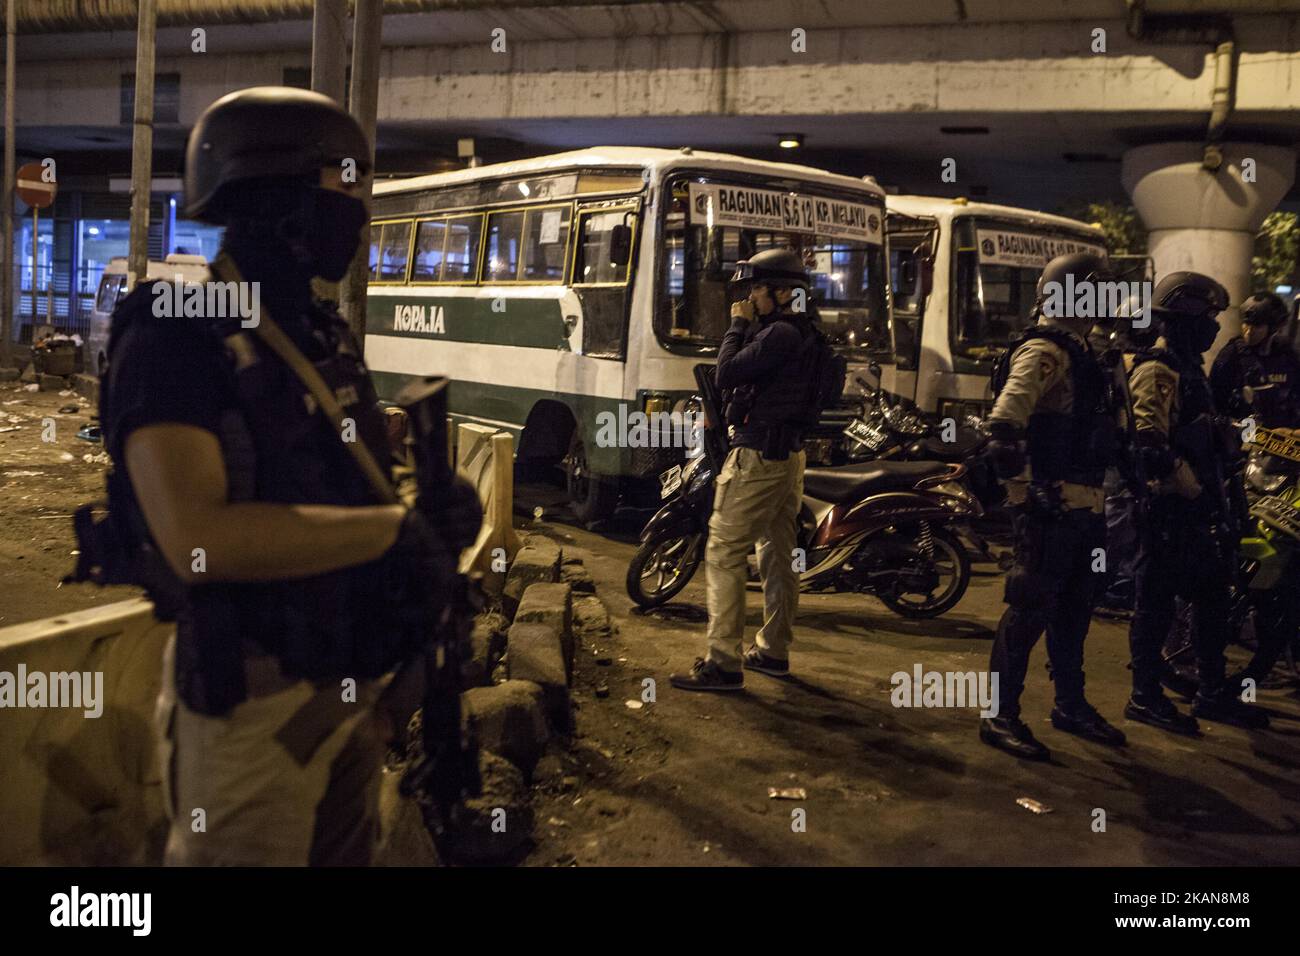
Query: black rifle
(448, 773)
(716, 442)
(1131, 466)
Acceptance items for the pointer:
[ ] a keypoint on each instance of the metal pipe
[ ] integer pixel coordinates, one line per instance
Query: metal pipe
(329, 48)
(137, 264)
(7, 279)
(367, 30)
(1221, 104)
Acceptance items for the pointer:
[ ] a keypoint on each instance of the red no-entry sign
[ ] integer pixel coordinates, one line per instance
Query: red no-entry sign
(32, 189)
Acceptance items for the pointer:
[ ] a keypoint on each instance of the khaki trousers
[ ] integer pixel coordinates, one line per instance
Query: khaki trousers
(756, 501)
(290, 777)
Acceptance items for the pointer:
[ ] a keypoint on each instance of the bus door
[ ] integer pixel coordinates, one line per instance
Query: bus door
(913, 242)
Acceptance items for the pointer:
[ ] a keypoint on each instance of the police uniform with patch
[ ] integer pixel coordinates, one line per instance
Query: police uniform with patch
(1054, 433)
(1189, 538)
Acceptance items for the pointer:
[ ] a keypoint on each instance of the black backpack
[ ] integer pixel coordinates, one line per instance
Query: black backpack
(827, 370)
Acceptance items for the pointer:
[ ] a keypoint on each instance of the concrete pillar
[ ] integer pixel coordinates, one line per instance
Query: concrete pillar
(1206, 221)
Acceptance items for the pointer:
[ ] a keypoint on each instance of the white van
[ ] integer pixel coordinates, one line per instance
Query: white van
(964, 277)
(112, 290)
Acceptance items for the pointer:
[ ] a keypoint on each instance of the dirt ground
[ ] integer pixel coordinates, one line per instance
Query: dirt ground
(41, 484)
(684, 779)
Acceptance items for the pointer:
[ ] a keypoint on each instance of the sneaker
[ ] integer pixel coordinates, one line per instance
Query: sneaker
(1082, 720)
(706, 675)
(756, 660)
(1159, 711)
(1226, 708)
(1011, 735)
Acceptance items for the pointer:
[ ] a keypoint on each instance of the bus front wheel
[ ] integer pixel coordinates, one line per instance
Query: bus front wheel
(592, 497)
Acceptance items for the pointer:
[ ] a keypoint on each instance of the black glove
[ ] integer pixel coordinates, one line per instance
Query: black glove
(456, 515)
(1006, 450)
(1157, 459)
(419, 572)
(1044, 499)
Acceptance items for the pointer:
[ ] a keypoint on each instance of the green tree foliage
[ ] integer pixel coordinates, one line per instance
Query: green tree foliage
(1125, 234)
(1277, 247)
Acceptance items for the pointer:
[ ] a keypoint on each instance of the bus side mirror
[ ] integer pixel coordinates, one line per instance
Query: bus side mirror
(620, 244)
(907, 275)
(927, 277)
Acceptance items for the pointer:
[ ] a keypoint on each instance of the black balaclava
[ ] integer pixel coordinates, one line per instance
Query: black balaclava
(284, 232)
(1191, 336)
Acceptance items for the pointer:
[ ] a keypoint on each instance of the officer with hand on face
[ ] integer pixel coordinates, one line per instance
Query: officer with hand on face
(1189, 540)
(299, 586)
(764, 373)
(1054, 432)
(1258, 372)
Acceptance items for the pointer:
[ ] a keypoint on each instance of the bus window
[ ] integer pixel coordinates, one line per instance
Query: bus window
(429, 239)
(395, 245)
(994, 289)
(546, 239)
(504, 232)
(905, 281)
(848, 279)
(463, 235)
(375, 231)
(592, 263)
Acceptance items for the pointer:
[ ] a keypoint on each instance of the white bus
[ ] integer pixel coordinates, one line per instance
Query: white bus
(555, 289)
(964, 276)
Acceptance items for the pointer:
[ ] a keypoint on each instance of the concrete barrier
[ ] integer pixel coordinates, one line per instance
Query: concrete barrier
(84, 790)
(486, 458)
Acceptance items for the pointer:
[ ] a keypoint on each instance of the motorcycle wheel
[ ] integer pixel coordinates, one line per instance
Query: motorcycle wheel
(663, 566)
(952, 563)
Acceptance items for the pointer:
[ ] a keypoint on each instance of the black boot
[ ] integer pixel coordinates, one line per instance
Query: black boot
(1225, 707)
(1011, 735)
(1159, 711)
(1082, 720)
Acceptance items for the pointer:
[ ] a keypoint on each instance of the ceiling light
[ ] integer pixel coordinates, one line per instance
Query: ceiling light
(790, 140)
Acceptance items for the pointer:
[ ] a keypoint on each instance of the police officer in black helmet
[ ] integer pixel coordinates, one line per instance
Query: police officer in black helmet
(1258, 373)
(1054, 433)
(1188, 542)
(291, 573)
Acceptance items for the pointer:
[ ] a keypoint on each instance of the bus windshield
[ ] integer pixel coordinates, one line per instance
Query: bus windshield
(996, 278)
(700, 252)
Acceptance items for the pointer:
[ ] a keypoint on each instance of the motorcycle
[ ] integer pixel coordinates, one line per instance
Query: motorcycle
(882, 528)
(1264, 595)
(887, 429)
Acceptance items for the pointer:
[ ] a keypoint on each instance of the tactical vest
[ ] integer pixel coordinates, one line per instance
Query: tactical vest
(278, 447)
(772, 415)
(1080, 445)
(1198, 436)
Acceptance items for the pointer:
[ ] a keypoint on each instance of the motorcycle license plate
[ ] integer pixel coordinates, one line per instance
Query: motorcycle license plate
(670, 481)
(870, 434)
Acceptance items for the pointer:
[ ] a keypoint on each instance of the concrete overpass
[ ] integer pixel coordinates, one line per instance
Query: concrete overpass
(1040, 102)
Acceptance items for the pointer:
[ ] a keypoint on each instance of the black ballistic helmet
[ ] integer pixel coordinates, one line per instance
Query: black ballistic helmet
(1084, 266)
(1264, 308)
(1188, 295)
(262, 132)
(773, 267)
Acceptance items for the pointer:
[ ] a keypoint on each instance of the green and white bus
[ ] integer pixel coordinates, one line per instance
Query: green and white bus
(554, 289)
